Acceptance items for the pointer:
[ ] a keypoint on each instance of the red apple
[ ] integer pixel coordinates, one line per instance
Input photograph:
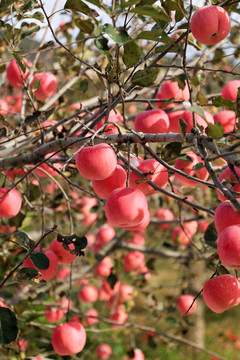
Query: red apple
(138, 355)
(48, 85)
(114, 117)
(221, 292)
(96, 162)
(227, 119)
(180, 237)
(229, 180)
(184, 302)
(152, 121)
(119, 316)
(4, 108)
(210, 24)
(174, 121)
(164, 214)
(88, 294)
(104, 234)
(170, 89)
(68, 338)
(62, 273)
(137, 239)
(104, 267)
(229, 246)
(133, 260)
(11, 204)
(187, 116)
(226, 215)
(230, 90)
(49, 273)
(47, 168)
(125, 293)
(64, 256)
(104, 351)
(91, 320)
(117, 180)
(14, 74)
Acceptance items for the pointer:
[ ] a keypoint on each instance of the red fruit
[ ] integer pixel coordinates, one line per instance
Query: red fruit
(142, 225)
(133, 260)
(210, 24)
(104, 234)
(125, 293)
(221, 292)
(229, 180)
(64, 256)
(229, 246)
(119, 316)
(88, 294)
(91, 320)
(104, 351)
(21, 344)
(226, 215)
(14, 74)
(169, 90)
(68, 338)
(138, 355)
(63, 273)
(174, 121)
(48, 85)
(187, 167)
(154, 172)
(230, 90)
(137, 239)
(184, 302)
(115, 117)
(187, 116)
(104, 267)
(49, 273)
(227, 119)
(180, 237)
(96, 162)
(4, 108)
(117, 180)
(152, 121)
(164, 214)
(54, 314)
(191, 227)
(118, 211)
(47, 168)
(11, 204)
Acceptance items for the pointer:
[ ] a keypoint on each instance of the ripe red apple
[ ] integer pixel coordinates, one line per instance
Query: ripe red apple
(49, 273)
(125, 293)
(184, 302)
(64, 256)
(229, 246)
(138, 355)
(229, 180)
(117, 180)
(105, 291)
(164, 214)
(21, 344)
(114, 117)
(191, 227)
(230, 90)
(104, 267)
(48, 85)
(187, 167)
(210, 24)
(226, 215)
(187, 116)
(47, 124)
(96, 162)
(47, 168)
(14, 74)
(180, 237)
(4, 108)
(142, 225)
(145, 271)
(174, 121)
(118, 211)
(104, 234)
(104, 351)
(119, 316)
(137, 239)
(152, 121)
(88, 294)
(227, 119)
(154, 171)
(133, 260)
(91, 320)
(56, 313)
(221, 292)
(170, 89)
(11, 204)
(63, 273)
(68, 338)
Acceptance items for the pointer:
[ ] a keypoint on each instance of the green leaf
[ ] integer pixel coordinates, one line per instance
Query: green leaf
(79, 243)
(38, 15)
(80, 6)
(28, 29)
(112, 280)
(162, 104)
(83, 86)
(102, 43)
(132, 53)
(181, 80)
(8, 326)
(218, 101)
(222, 270)
(119, 35)
(128, 3)
(39, 260)
(198, 110)
(34, 192)
(85, 26)
(36, 84)
(198, 166)
(17, 220)
(185, 157)
(154, 12)
(19, 61)
(171, 151)
(155, 35)
(172, 321)
(211, 234)
(215, 130)
(145, 77)
(26, 274)
(23, 237)
(182, 127)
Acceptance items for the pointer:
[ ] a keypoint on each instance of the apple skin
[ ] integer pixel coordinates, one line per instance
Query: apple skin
(4, 108)
(137, 239)
(48, 85)
(114, 117)
(227, 119)
(179, 237)
(230, 182)
(119, 316)
(96, 162)
(133, 261)
(64, 256)
(11, 204)
(104, 351)
(173, 121)
(125, 293)
(88, 294)
(151, 122)
(226, 215)
(154, 171)
(184, 302)
(68, 338)
(13, 73)
(47, 168)
(55, 314)
(103, 269)
(228, 246)
(104, 234)
(187, 168)
(49, 273)
(164, 214)
(118, 211)
(210, 24)
(187, 116)
(221, 292)
(170, 89)
(116, 180)
(90, 320)
(230, 90)
(138, 355)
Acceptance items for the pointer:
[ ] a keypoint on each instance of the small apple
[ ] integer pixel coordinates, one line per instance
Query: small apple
(14, 74)
(229, 180)
(68, 338)
(230, 90)
(227, 119)
(114, 117)
(184, 302)
(170, 90)
(63, 256)
(88, 294)
(11, 204)
(49, 273)
(91, 320)
(133, 261)
(226, 215)
(228, 246)
(48, 85)
(104, 351)
(164, 214)
(152, 121)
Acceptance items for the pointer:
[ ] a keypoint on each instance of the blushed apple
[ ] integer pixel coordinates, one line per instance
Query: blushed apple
(227, 119)
(68, 338)
(152, 121)
(170, 90)
(184, 302)
(14, 74)
(88, 293)
(114, 117)
(104, 351)
(133, 260)
(48, 85)
(64, 256)
(230, 90)
(11, 204)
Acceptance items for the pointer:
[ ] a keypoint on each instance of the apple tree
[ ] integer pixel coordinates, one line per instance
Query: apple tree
(120, 179)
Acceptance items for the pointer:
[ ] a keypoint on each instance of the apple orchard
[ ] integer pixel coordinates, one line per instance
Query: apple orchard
(120, 179)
